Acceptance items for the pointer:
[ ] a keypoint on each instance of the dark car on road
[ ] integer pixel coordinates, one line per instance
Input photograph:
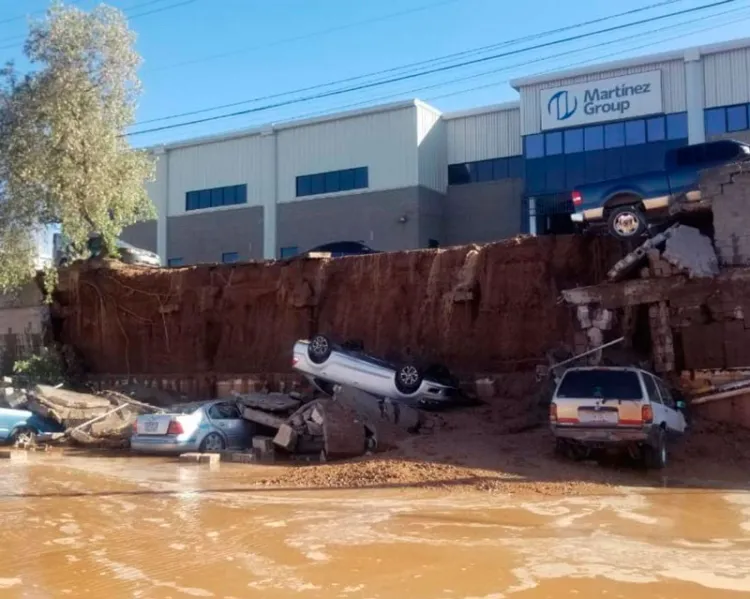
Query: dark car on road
(338, 249)
(628, 206)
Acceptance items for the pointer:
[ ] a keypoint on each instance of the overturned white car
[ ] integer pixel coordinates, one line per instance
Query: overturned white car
(326, 364)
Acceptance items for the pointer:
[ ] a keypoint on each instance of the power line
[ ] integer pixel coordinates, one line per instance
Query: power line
(444, 68)
(310, 35)
(441, 59)
(542, 59)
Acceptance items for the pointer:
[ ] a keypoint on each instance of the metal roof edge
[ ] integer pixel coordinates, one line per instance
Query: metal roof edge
(457, 114)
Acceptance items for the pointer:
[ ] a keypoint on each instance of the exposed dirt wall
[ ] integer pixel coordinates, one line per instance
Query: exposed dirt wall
(484, 308)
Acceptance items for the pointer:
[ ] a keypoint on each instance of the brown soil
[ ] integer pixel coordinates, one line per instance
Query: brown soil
(491, 311)
(473, 449)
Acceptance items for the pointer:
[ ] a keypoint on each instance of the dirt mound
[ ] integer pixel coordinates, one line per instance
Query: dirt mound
(488, 308)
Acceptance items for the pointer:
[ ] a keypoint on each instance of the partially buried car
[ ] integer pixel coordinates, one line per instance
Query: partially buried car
(20, 426)
(202, 426)
(326, 364)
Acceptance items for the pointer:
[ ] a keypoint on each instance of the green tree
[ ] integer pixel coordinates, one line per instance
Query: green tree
(63, 154)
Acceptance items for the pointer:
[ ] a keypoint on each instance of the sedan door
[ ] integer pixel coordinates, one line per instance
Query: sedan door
(226, 417)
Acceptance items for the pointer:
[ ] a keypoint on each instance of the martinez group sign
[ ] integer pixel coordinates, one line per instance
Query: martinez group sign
(604, 100)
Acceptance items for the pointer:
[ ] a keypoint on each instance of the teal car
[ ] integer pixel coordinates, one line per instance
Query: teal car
(18, 426)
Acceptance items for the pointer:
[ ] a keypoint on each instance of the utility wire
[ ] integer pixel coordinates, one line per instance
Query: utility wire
(445, 58)
(440, 69)
(597, 58)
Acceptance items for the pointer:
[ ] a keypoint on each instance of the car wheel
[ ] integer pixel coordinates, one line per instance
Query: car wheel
(212, 443)
(627, 222)
(408, 379)
(23, 435)
(655, 454)
(319, 349)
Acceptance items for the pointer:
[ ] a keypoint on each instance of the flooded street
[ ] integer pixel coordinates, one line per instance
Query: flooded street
(153, 528)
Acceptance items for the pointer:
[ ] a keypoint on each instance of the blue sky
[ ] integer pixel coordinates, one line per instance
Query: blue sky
(202, 53)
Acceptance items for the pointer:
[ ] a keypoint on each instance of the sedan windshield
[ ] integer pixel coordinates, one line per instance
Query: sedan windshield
(600, 384)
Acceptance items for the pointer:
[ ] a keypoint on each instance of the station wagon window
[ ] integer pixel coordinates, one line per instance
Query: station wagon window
(600, 384)
(651, 389)
(665, 393)
(224, 411)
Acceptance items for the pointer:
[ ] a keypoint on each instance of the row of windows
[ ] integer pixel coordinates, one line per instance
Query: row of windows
(226, 258)
(218, 196)
(727, 119)
(333, 181)
(564, 172)
(604, 137)
(485, 170)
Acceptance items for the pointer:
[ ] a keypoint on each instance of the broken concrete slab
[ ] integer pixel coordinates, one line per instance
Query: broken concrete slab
(262, 443)
(634, 258)
(66, 407)
(240, 457)
(268, 402)
(690, 251)
(343, 431)
(262, 418)
(316, 416)
(286, 438)
(200, 458)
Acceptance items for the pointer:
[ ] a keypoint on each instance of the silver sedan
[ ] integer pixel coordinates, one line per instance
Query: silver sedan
(204, 427)
(326, 364)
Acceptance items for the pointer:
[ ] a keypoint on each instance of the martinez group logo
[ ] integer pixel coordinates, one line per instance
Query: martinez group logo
(560, 106)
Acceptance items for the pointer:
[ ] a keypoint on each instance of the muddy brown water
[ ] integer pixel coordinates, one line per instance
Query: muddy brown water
(153, 528)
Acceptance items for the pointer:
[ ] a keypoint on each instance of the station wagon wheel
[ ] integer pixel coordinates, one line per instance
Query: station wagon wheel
(23, 435)
(655, 454)
(212, 443)
(627, 222)
(408, 379)
(319, 349)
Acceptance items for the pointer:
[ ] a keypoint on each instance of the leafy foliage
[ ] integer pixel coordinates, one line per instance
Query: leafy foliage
(63, 155)
(43, 368)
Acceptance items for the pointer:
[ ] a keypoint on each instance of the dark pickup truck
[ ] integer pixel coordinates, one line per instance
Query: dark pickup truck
(629, 205)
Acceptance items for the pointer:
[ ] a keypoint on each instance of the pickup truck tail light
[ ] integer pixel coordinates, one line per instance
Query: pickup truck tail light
(553, 413)
(647, 414)
(577, 198)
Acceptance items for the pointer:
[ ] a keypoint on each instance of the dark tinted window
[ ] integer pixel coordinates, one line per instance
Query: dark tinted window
(534, 146)
(346, 180)
(204, 199)
(573, 141)
(737, 118)
(175, 262)
(304, 186)
(191, 200)
(216, 197)
(484, 171)
(716, 122)
(332, 182)
(361, 178)
(229, 257)
(500, 169)
(656, 129)
(603, 384)
(593, 138)
(651, 390)
(289, 251)
(614, 135)
(677, 126)
(554, 143)
(515, 167)
(635, 133)
(458, 174)
(318, 183)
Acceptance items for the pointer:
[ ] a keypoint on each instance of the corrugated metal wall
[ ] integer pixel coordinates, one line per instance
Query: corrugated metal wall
(483, 136)
(672, 85)
(385, 142)
(727, 77)
(231, 162)
(433, 165)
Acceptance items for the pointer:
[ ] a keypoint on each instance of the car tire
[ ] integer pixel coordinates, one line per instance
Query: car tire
(212, 443)
(655, 454)
(408, 379)
(21, 434)
(319, 349)
(627, 222)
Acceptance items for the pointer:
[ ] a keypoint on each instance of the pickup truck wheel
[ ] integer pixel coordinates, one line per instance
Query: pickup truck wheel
(319, 349)
(627, 222)
(655, 454)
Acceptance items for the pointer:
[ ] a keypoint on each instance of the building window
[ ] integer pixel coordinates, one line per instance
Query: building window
(656, 129)
(483, 171)
(593, 138)
(573, 141)
(635, 133)
(333, 181)
(289, 251)
(175, 262)
(553, 143)
(534, 145)
(614, 135)
(737, 118)
(216, 197)
(716, 121)
(230, 257)
(677, 127)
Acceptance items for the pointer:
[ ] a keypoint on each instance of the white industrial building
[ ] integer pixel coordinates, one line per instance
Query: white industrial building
(405, 175)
